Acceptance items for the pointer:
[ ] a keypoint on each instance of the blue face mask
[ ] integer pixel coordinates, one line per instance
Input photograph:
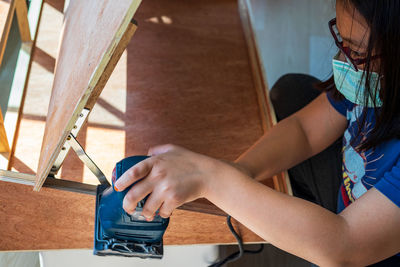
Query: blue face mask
(351, 84)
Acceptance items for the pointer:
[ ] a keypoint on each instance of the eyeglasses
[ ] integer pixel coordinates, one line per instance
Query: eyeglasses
(346, 50)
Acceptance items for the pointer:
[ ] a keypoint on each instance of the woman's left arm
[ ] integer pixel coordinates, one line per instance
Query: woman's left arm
(366, 232)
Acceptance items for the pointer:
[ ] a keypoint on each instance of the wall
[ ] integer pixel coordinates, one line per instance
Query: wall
(293, 36)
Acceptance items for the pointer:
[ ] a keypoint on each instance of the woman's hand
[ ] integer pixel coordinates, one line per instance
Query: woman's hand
(173, 176)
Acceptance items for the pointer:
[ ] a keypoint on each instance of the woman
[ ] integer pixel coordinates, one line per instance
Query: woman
(362, 105)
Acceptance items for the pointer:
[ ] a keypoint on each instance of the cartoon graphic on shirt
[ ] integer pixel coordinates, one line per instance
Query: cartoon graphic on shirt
(355, 164)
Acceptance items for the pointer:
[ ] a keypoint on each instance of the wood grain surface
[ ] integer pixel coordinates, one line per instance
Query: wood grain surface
(185, 79)
(92, 31)
(66, 221)
(18, 81)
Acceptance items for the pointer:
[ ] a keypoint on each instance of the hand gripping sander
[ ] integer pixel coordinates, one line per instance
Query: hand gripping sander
(122, 234)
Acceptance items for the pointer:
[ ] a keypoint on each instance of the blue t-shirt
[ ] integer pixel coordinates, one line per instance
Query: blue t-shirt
(379, 167)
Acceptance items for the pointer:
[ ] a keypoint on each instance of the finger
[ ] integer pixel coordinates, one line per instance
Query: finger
(134, 174)
(157, 150)
(135, 194)
(166, 209)
(153, 203)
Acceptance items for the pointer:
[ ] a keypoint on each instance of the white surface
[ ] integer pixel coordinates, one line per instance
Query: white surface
(19, 259)
(176, 256)
(321, 52)
(293, 36)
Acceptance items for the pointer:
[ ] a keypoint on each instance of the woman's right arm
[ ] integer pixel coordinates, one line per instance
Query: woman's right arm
(294, 139)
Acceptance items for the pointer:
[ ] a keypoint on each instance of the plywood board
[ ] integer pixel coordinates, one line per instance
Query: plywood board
(91, 34)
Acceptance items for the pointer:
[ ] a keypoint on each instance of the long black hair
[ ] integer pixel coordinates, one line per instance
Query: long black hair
(383, 19)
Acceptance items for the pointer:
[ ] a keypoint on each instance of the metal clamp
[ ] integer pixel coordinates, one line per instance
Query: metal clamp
(74, 144)
(87, 160)
(65, 149)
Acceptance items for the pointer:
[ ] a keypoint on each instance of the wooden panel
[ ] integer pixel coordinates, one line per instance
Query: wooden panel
(17, 177)
(6, 16)
(91, 34)
(66, 220)
(185, 79)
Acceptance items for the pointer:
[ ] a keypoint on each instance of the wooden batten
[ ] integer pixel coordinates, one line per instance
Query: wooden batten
(267, 112)
(17, 177)
(21, 10)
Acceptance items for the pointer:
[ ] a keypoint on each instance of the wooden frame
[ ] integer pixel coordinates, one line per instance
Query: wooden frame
(18, 50)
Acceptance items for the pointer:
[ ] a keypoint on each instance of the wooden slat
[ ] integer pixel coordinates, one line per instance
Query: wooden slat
(6, 16)
(92, 32)
(123, 43)
(17, 177)
(4, 146)
(22, 15)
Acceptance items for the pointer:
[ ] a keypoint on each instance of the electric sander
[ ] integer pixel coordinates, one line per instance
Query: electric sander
(122, 234)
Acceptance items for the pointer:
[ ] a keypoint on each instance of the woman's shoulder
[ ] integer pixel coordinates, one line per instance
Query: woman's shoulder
(339, 102)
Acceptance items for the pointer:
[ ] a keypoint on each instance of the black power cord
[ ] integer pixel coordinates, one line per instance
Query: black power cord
(238, 254)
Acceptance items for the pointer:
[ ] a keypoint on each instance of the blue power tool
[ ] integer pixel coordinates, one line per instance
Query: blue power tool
(119, 233)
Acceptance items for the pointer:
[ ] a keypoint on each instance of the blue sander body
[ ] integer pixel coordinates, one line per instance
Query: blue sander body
(122, 234)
